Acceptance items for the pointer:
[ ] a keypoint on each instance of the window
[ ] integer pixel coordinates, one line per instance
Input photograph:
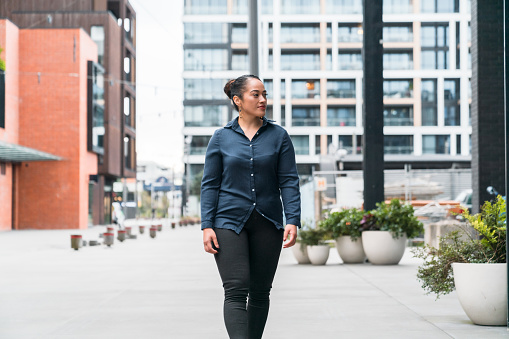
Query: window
(398, 88)
(240, 7)
(398, 60)
(205, 32)
(240, 61)
(398, 116)
(458, 144)
(344, 6)
(429, 102)
(306, 116)
(340, 88)
(97, 35)
(318, 146)
(434, 44)
(95, 123)
(346, 142)
(440, 6)
(239, 33)
(341, 116)
(204, 89)
(199, 144)
(300, 33)
(451, 102)
(398, 144)
(300, 144)
(306, 89)
(350, 61)
(2, 99)
(205, 115)
(205, 6)
(397, 6)
(436, 144)
(350, 33)
(206, 60)
(300, 61)
(300, 6)
(129, 151)
(398, 33)
(129, 107)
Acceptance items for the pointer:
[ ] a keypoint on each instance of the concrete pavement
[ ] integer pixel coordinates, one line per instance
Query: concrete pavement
(169, 288)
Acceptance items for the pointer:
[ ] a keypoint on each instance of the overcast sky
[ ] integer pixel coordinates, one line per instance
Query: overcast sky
(159, 91)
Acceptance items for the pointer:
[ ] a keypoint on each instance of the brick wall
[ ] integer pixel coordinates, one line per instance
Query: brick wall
(53, 79)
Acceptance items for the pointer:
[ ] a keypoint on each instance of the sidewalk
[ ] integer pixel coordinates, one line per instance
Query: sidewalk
(169, 287)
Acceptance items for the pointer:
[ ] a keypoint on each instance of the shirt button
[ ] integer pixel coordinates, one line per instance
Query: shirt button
(251, 174)
(254, 203)
(251, 159)
(252, 190)
(250, 145)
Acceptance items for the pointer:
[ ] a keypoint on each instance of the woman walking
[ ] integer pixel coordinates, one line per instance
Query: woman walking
(249, 168)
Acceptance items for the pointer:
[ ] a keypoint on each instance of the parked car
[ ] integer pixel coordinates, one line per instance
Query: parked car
(465, 198)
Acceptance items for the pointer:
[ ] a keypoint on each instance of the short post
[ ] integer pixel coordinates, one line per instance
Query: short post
(76, 241)
(173, 224)
(142, 229)
(108, 239)
(153, 231)
(160, 227)
(121, 235)
(128, 231)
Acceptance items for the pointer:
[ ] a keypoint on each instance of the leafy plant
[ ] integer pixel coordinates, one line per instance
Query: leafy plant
(314, 236)
(2, 62)
(346, 222)
(486, 245)
(395, 217)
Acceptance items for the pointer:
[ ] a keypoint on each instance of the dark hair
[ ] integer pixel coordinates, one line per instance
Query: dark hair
(236, 87)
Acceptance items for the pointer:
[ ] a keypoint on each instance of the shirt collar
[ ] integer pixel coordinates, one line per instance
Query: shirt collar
(234, 124)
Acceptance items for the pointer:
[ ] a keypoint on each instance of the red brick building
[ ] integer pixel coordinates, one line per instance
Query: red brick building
(44, 181)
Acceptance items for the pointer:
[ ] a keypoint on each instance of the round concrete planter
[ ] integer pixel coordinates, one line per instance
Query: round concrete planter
(300, 253)
(153, 232)
(108, 238)
(351, 252)
(318, 254)
(482, 292)
(121, 235)
(110, 229)
(173, 225)
(76, 241)
(381, 248)
(128, 231)
(160, 227)
(142, 229)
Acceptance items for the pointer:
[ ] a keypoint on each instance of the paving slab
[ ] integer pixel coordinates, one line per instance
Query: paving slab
(168, 287)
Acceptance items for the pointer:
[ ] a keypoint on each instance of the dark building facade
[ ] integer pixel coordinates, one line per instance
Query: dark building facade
(112, 26)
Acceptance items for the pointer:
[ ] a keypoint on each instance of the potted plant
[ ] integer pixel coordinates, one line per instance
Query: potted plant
(314, 241)
(299, 250)
(385, 231)
(473, 263)
(345, 227)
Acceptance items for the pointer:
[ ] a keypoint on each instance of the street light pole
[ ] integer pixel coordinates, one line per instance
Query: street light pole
(254, 65)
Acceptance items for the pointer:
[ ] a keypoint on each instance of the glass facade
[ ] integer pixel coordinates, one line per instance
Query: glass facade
(434, 46)
(306, 89)
(398, 116)
(205, 60)
(306, 116)
(300, 144)
(204, 89)
(96, 129)
(439, 6)
(451, 102)
(350, 61)
(300, 6)
(205, 7)
(429, 102)
(436, 144)
(205, 33)
(293, 61)
(199, 144)
(341, 116)
(300, 33)
(340, 88)
(398, 60)
(205, 115)
(398, 144)
(398, 6)
(239, 33)
(350, 33)
(398, 33)
(97, 35)
(344, 6)
(398, 88)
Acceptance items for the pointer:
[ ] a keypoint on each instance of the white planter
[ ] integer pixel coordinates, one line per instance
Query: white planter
(351, 252)
(318, 254)
(300, 253)
(381, 248)
(482, 292)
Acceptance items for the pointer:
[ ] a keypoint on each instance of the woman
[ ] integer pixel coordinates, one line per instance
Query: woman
(249, 168)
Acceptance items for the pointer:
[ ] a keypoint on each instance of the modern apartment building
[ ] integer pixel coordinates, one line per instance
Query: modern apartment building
(111, 25)
(311, 63)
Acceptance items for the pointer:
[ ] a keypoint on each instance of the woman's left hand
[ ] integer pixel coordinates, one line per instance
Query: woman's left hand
(290, 235)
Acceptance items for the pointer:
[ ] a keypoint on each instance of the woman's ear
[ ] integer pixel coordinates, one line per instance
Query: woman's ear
(236, 100)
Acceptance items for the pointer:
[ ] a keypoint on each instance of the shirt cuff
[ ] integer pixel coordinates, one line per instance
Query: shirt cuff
(294, 221)
(206, 224)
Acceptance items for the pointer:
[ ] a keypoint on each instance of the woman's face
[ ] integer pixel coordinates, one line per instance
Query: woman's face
(254, 99)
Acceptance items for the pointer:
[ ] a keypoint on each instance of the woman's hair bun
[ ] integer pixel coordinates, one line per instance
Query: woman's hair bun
(228, 88)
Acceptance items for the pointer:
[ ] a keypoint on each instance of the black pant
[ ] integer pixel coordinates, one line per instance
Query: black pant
(247, 264)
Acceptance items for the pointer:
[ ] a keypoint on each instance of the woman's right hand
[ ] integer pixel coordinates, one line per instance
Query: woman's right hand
(209, 238)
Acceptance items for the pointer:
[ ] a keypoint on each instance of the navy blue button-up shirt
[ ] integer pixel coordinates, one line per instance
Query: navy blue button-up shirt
(242, 175)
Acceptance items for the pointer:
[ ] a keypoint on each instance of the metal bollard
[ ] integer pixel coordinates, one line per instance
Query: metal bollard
(153, 232)
(76, 241)
(121, 235)
(108, 238)
(142, 229)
